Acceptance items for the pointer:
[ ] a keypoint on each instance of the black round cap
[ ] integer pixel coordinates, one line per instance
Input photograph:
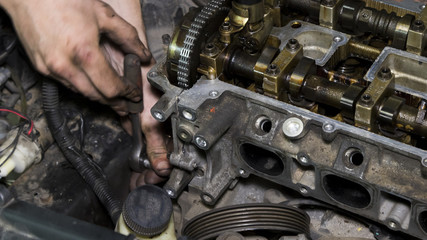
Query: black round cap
(147, 210)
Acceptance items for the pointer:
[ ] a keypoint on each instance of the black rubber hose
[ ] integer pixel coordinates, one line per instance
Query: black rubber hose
(80, 161)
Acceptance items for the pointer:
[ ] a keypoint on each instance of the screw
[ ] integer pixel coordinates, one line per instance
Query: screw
(392, 224)
(303, 159)
(328, 127)
(422, 6)
(303, 190)
(292, 44)
(210, 48)
(201, 142)
(273, 69)
(187, 115)
(166, 39)
(366, 98)
(170, 193)
(338, 39)
(366, 14)
(242, 172)
(418, 25)
(207, 198)
(226, 26)
(424, 162)
(158, 116)
(213, 93)
(385, 73)
(153, 74)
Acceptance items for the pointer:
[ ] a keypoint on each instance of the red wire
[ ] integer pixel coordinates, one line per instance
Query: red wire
(20, 115)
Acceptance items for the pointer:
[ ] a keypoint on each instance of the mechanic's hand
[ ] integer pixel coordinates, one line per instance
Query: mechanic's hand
(62, 39)
(153, 130)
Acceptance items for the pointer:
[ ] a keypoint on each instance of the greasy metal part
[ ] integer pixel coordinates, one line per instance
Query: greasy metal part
(401, 31)
(274, 82)
(363, 51)
(367, 106)
(328, 15)
(263, 64)
(416, 43)
(188, 57)
(389, 110)
(408, 70)
(363, 161)
(321, 90)
(304, 68)
(325, 46)
(248, 217)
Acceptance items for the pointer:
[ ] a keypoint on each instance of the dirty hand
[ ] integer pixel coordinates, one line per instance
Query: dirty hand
(62, 39)
(130, 10)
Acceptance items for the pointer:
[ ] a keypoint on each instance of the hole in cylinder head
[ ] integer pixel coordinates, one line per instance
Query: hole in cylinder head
(264, 124)
(354, 157)
(261, 160)
(346, 192)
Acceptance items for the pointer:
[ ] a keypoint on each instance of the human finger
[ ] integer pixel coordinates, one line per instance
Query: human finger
(121, 33)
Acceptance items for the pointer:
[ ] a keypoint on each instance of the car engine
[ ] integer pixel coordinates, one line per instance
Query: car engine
(285, 116)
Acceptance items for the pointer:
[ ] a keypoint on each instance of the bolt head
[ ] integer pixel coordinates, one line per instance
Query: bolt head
(213, 93)
(158, 116)
(385, 73)
(201, 142)
(292, 44)
(303, 190)
(328, 127)
(304, 159)
(242, 172)
(337, 39)
(366, 99)
(170, 193)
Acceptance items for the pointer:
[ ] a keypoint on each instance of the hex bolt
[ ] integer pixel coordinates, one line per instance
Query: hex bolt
(303, 190)
(166, 39)
(272, 69)
(392, 224)
(210, 48)
(153, 74)
(213, 93)
(187, 115)
(158, 116)
(328, 127)
(226, 26)
(385, 73)
(303, 159)
(170, 193)
(418, 25)
(207, 198)
(337, 39)
(293, 127)
(366, 99)
(201, 142)
(292, 44)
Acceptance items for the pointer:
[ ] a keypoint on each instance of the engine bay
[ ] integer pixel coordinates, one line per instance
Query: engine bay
(292, 119)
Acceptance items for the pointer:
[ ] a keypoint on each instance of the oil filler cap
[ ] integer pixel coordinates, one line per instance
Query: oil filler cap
(147, 210)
